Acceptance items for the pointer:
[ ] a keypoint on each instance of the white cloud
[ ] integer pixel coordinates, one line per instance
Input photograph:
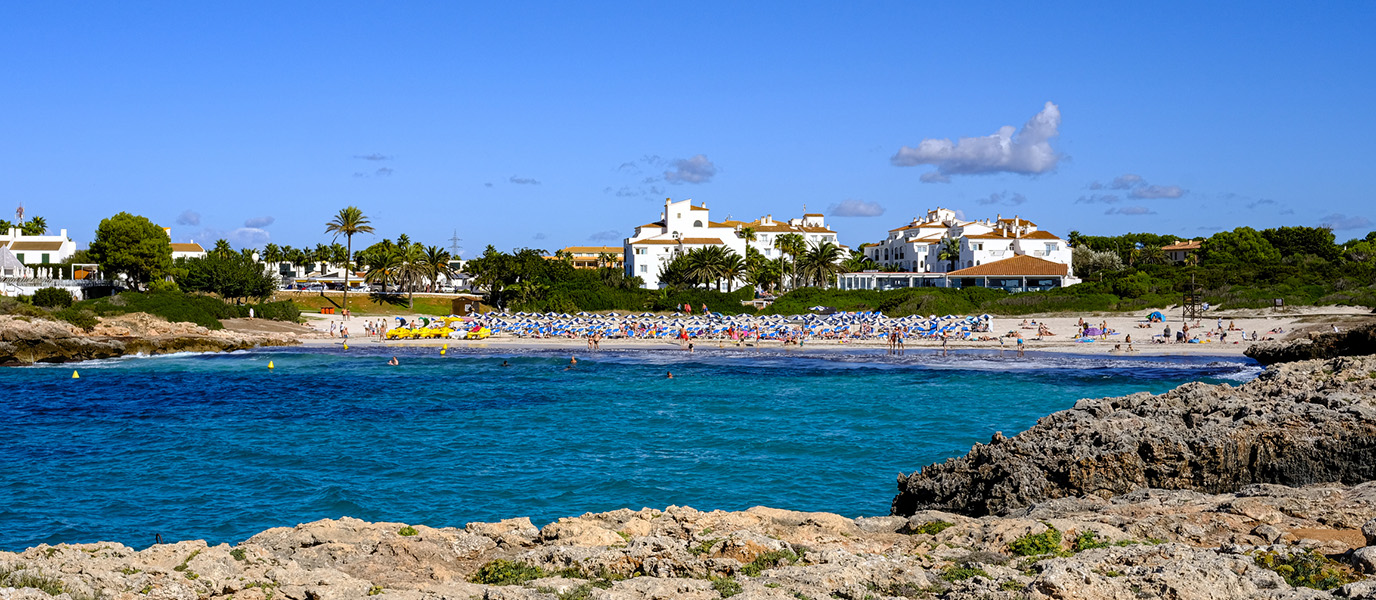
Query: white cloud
(1125, 182)
(1026, 152)
(1150, 192)
(855, 208)
(189, 217)
(376, 156)
(538, 236)
(1003, 198)
(1099, 199)
(603, 236)
(523, 180)
(934, 177)
(1341, 222)
(697, 169)
(259, 222)
(1130, 211)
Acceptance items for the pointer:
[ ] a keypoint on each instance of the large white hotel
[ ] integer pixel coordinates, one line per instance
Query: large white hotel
(1007, 253)
(683, 227)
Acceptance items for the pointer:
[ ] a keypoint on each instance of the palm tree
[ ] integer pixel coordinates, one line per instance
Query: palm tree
(349, 221)
(820, 264)
(857, 262)
(35, 226)
(437, 264)
(606, 260)
(412, 270)
(749, 235)
(794, 245)
(732, 267)
(222, 249)
(949, 252)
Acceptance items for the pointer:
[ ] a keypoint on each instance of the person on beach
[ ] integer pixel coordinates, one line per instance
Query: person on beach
(1020, 346)
(394, 362)
(332, 324)
(344, 333)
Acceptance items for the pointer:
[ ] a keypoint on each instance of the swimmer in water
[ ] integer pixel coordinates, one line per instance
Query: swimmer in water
(573, 360)
(506, 364)
(394, 362)
(669, 375)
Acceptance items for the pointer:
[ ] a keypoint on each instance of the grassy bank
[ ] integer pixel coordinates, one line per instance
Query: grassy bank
(367, 304)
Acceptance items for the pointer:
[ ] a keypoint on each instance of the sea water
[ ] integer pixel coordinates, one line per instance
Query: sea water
(219, 447)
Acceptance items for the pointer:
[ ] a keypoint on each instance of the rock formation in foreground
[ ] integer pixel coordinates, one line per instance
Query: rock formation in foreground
(1297, 424)
(25, 340)
(1357, 341)
(1149, 544)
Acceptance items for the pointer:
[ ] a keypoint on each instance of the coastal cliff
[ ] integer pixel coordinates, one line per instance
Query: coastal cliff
(26, 340)
(1148, 544)
(1297, 424)
(1357, 341)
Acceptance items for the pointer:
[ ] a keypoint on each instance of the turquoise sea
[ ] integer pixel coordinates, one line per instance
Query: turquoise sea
(217, 447)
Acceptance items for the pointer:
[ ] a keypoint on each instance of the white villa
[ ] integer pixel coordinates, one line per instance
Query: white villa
(38, 249)
(683, 227)
(1002, 253)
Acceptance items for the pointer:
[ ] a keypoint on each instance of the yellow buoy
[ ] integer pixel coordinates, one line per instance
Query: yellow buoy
(346, 346)
(75, 376)
(271, 366)
(444, 349)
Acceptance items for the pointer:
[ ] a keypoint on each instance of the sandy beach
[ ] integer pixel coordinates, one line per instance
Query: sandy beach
(1291, 322)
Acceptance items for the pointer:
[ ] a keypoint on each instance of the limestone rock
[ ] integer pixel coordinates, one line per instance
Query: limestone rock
(1297, 424)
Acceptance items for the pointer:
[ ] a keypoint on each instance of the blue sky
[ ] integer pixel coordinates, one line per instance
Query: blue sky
(546, 125)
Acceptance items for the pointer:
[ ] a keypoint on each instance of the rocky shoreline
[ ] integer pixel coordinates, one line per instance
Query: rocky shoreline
(1297, 424)
(1357, 341)
(25, 341)
(1148, 544)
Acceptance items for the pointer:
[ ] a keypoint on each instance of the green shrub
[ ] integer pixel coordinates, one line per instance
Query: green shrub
(963, 573)
(1088, 540)
(11, 577)
(929, 528)
(1307, 569)
(237, 554)
(52, 297)
(407, 531)
(81, 318)
(769, 560)
(506, 572)
(726, 586)
(1035, 544)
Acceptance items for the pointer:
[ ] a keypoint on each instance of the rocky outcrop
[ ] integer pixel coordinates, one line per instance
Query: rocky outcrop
(1297, 424)
(1152, 543)
(1358, 341)
(25, 340)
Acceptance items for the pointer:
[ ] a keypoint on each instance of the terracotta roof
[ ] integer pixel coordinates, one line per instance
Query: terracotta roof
(993, 235)
(818, 230)
(1020, 221)
(593, 249)
(1186, 245)
(777, 227)
(187, 248)
(655, 224)
(4, 243)
(814, 215)
(1014, 267)
(1039, 235)
(697, 207)
(37, 246)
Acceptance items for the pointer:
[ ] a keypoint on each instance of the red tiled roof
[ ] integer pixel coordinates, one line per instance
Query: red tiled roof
(1017, 266)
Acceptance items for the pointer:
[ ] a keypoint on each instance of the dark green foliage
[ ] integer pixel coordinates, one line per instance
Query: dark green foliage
(769, 560)
(726, 586)
(1242, 245)
(205, 311)
(132, 246)
(1297, 241)
(963, 573)
(407, 531)
(82, 318)
(1307, 569)
(929, 528)
(671, 300)
(506, 572)
(1088, 540)
(231, 275)
(52, 297)
(237, 554)
(1035, 544)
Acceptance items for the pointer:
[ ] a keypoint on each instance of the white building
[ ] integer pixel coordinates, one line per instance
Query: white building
(38, 249)
(1043, 259)
(683, 227)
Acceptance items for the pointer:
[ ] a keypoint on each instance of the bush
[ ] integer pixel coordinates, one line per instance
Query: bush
(52, 297)
(1088, 540)
(506, 572)
(407, 531)
(1034, 544)
(1307, 569)
(81, 318)
(769, 560)
(929, 528)
(963, 573)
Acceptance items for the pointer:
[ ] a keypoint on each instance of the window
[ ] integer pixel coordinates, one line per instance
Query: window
(640, 250)
(45, 258)
(979, 246)
(20, 256)
(697, 223)
(644, 269)
(1050, 248)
